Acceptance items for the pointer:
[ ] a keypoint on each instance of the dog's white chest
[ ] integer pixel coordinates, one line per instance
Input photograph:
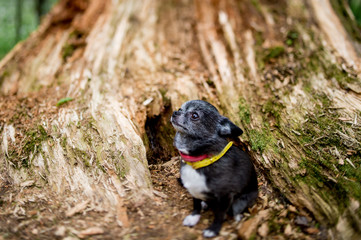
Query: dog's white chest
(194, 182)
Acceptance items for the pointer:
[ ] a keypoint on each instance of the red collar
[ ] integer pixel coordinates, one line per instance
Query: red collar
(189, 158)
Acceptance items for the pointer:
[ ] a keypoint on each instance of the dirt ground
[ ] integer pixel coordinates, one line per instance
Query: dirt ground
(30, 213)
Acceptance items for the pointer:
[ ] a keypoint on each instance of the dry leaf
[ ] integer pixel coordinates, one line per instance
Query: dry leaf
(351, 152)
(292, 208)
(355, 205)
(263, 230)
(90, 231)
(249, 227)
(77, 208)
(312, 230)
(283, 213)
(60, 231)
(263, 214)
(288, 230)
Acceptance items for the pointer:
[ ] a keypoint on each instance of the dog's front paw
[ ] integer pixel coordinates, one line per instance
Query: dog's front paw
(238, 217)
(209, 233)
(204, 205)
(191, 220)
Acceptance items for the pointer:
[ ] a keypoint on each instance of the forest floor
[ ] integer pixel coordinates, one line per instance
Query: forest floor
(34, 213)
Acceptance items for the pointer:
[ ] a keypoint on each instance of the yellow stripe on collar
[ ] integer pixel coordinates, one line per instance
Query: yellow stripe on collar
(208, 161)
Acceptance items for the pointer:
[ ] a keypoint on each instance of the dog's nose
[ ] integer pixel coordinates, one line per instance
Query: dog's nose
(175, 113)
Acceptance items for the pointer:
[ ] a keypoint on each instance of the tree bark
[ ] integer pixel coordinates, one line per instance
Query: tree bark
(286, 71)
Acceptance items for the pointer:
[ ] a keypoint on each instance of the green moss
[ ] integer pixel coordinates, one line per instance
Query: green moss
(166, 100)
(4, 75)
(292, 37)
(319, 138)
(71, 44)
(32, 144)
(253, 236)
(259, 39)
(210, 83)
(316, 62)
(244, 111)
(307, 86)
(319, 134)
(259, 139)
(272, 108)
(81, 155)
(122, 173)
(68, 50)
(121, 167)
(343, 78)
(314, 172)
(99, 159)
(273, 226)
(273, 53)
(63, 142)
(257, 5)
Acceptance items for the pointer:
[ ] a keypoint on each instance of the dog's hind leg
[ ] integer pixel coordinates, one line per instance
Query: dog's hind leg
(241, 203)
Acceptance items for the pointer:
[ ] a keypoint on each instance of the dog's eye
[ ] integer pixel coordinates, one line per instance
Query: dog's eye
(195, 116)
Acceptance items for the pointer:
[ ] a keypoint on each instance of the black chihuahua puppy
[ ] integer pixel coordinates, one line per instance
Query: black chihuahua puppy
(212, 169)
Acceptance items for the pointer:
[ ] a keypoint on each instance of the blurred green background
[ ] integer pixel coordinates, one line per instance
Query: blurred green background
(18, 18)
(355, 6)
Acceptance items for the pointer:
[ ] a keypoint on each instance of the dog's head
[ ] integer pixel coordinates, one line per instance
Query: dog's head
(201, 119)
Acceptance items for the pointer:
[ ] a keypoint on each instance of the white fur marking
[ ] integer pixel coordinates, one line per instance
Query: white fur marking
(225, 129)
(209, 233)
(191, 220)
(204, 205)
(194, 182)
(183, 150)
(238, 217)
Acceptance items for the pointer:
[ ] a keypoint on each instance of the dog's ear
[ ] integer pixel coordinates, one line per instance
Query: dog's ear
(226, 128)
